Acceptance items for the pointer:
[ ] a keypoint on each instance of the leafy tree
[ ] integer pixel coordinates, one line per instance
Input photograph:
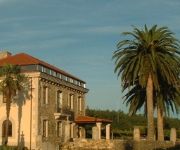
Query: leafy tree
(142, 60)
(123, 124)
(12, 82)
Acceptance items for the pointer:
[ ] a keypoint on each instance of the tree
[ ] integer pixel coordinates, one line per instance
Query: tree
(166, 100)
(140, 60)
(12, 82)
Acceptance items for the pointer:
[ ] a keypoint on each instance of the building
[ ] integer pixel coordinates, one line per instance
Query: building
(46, 118)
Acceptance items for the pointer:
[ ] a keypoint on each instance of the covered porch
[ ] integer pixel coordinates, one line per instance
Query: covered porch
(96, 125)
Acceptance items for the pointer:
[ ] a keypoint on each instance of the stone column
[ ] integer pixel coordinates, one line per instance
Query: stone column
(72, 130)
(82, 132)
(95, 133)
(98, 124)
(173, 135)
(136, 134)
(108, 131)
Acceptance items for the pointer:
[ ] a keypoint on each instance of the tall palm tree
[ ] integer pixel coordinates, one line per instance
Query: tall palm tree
(12, 82)
(148, 53)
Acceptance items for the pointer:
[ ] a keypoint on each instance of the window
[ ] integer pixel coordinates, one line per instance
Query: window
(71, 101)
(79, 103)
(43, 69)
(45, 95)
(68, 79)
(71, 80)
(59, 129)
(45, 128)
(59, 100)
(48, 71)
(75, 82)
(78, 83)
(53, 73)
(59, 75)
(4, 129)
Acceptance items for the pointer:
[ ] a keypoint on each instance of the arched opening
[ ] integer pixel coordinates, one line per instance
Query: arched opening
(9, 128)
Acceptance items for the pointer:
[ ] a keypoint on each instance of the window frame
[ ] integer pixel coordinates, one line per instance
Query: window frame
(59, 129)
(45, 95)
(59, 99)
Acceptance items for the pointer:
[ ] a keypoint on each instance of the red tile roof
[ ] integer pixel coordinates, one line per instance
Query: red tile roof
(23, 59)
(87, 119)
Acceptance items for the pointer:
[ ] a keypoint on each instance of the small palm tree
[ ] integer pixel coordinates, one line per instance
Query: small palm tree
(12, 82)
(140, 60)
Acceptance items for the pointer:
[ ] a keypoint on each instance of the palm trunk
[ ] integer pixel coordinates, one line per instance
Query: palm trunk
(160, 124)
(150, 112)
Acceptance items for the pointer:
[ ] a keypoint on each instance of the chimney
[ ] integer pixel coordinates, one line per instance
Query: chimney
(4, 54)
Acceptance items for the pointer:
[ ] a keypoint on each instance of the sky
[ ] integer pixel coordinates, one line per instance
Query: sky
(80, 36)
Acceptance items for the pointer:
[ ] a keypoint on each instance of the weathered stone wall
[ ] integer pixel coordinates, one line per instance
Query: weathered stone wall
(85, 144)
(46, 111)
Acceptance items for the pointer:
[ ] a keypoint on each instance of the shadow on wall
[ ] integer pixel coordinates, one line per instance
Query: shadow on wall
(20, 100)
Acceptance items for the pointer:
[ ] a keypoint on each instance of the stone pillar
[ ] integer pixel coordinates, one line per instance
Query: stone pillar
(72, 130)
(173, 135)
(82, 132)
(98, 124)
(95, 133)
(108, 131)
(136, 134)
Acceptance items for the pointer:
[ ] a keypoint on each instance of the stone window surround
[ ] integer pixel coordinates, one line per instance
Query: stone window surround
(59, 98)
(71, 101)
(59, 128)
(44, 118)
(79, 103)
(45, 98)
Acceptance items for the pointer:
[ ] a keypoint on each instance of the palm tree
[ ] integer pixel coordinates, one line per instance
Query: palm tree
(148, 53)
(12, 82)
(166, 100)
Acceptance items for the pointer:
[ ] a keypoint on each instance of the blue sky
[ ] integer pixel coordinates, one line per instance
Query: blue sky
(79, 36)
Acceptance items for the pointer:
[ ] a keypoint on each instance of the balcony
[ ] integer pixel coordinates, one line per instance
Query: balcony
(64, 114)
(58, 113)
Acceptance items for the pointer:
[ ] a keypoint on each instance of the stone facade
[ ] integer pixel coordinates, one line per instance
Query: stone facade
(65, 116)
(46, 118)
